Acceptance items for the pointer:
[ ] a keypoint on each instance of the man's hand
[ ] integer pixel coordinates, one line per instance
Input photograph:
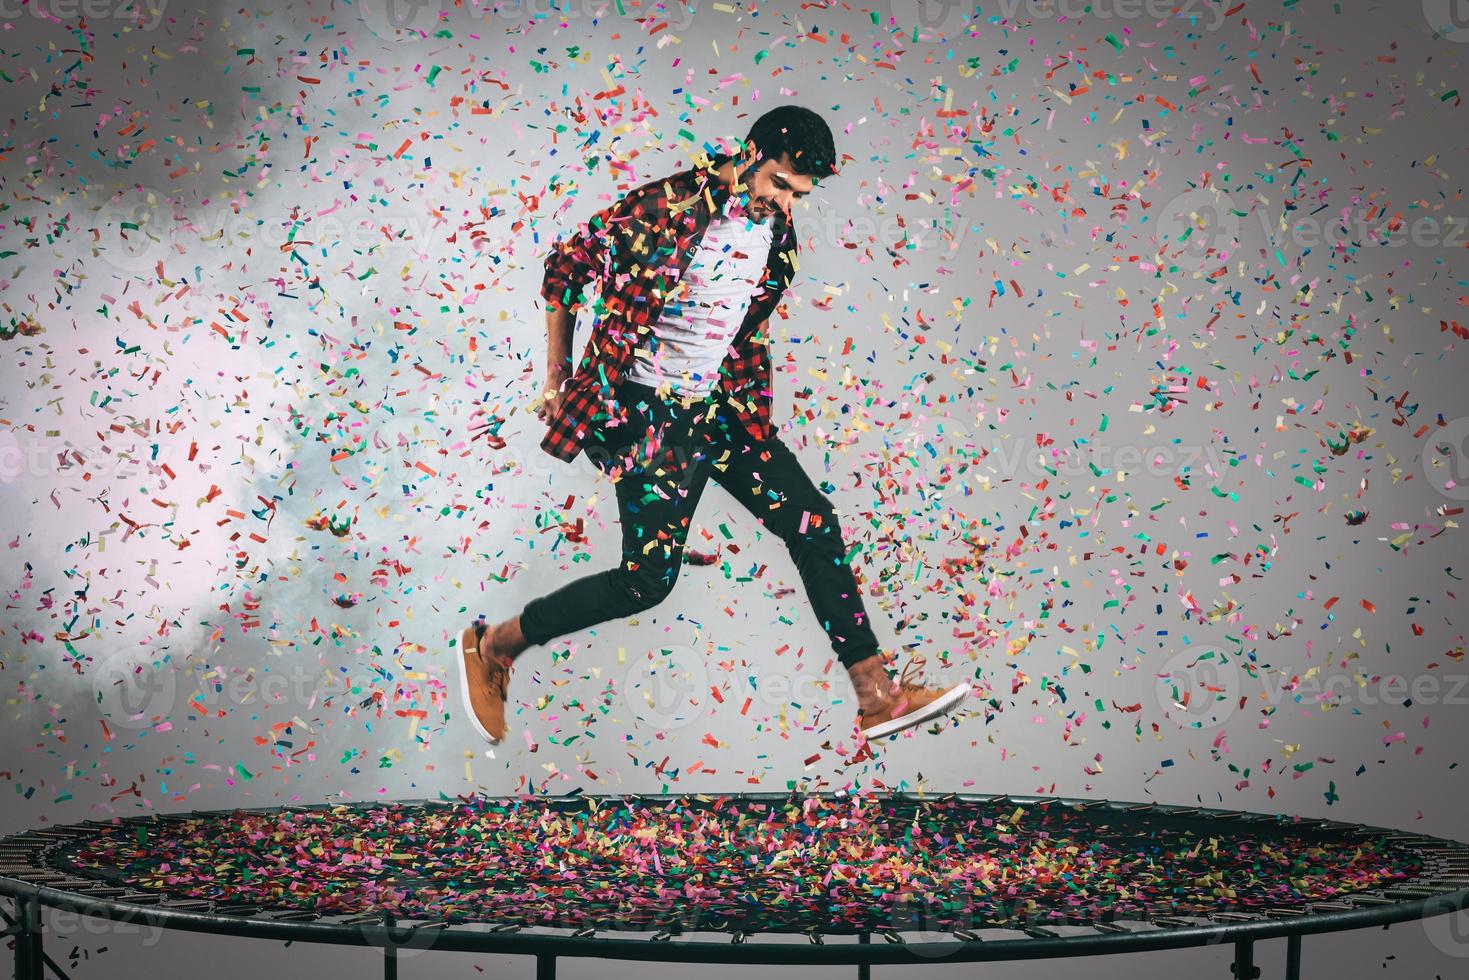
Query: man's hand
(550, 396)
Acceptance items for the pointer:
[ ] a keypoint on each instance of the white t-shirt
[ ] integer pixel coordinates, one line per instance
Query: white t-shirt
(704, 311)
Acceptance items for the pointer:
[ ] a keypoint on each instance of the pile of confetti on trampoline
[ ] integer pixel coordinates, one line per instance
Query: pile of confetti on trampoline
(911, 869)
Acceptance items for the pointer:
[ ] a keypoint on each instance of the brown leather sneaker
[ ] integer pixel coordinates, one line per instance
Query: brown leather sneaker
(912, 705)
(483, 685)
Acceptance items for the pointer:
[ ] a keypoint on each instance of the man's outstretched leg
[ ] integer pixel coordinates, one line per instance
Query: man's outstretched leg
(655, 503)
(768, 480)
(886, 706)
(485, 654)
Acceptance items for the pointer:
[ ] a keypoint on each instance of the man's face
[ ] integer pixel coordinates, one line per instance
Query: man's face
(774, 186)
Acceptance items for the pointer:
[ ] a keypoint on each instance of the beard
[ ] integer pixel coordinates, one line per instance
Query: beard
(771, 214)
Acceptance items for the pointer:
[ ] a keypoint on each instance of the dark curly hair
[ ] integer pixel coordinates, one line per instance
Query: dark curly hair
(799, 132)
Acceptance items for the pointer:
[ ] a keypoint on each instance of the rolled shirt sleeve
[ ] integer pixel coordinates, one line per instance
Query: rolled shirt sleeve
(593, 252)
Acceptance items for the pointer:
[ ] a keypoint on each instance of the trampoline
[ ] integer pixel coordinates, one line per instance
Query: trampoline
(856, 879)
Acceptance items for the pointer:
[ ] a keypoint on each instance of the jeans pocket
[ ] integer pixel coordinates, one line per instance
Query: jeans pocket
(618, 432)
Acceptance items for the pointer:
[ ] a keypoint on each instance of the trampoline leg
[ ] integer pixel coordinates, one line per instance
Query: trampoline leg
(545, 966)
(1293, 957)
(864, 970)
(1244, 967)
(29, 958)
(390, 952)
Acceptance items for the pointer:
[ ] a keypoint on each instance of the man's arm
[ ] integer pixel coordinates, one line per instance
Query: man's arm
(560, 328)
(593, 252)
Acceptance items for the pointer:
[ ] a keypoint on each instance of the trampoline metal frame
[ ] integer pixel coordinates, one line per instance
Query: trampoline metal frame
(30, 884)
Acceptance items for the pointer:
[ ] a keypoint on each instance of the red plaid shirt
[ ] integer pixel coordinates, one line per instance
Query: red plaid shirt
(638, 249)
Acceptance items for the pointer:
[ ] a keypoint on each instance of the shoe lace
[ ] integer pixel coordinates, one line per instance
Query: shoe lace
(499, 678)
(915, 668)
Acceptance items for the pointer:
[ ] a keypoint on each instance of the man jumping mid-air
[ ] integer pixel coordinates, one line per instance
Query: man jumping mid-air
(674, 388)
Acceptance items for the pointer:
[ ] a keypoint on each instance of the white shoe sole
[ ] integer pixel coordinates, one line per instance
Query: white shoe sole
(941, 705)
(464, 689)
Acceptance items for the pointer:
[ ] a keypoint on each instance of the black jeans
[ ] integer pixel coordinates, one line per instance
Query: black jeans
(660, 460)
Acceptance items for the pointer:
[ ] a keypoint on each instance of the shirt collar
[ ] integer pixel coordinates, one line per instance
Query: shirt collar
(719, 195)
(719, 192)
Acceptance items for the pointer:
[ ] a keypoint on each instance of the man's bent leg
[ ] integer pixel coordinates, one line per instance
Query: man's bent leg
(655, 509)
(767, 479)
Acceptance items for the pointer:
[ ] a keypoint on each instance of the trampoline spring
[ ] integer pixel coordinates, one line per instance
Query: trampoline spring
(965, 936)
(1283, 912)
(815, 938)
(357, 920)
(662, 936)
(34, 877)
(739, 937)
(505, 927)
(294, 915)
(1172, 922)
(1108, 927)
(893, 938)
(1041, 932)
(1410, 891)
(143, 898)
(243, 911)
(187, 905)
(1234, 917)
(586, 932)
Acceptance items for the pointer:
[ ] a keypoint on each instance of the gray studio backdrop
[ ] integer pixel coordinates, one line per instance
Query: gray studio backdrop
(1162, 302)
